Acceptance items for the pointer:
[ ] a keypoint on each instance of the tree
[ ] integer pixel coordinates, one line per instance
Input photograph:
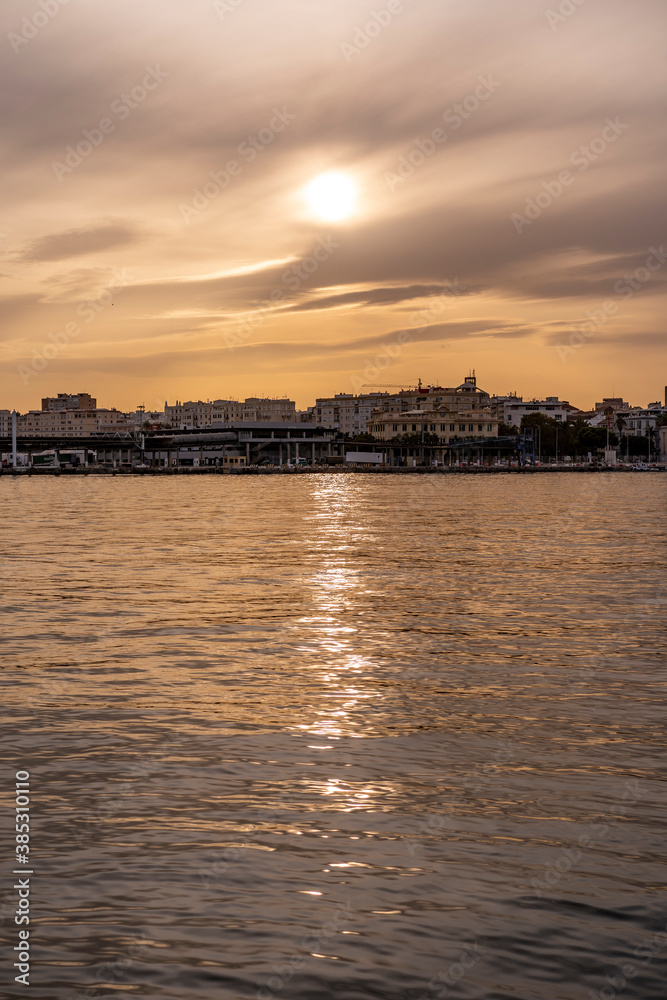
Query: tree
(592, 439)
(576, 439)
(635, 445)
(550, 430)
(416, 439)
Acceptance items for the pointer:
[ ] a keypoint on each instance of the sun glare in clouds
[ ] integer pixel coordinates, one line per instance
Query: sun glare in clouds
(332, 196)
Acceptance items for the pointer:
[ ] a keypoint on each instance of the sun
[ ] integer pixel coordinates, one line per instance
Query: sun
(332, 196)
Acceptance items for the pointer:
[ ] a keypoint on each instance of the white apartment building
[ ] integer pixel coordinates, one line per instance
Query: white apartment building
(193, 415)
(72, 423)
(637, 420)
(264, 410)
(514, 408)
(196, 414)
(347, 413)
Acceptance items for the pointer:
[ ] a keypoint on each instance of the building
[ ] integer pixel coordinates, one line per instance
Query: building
(637, 420)
(347, 413)
(263, 442)
(514, 409)
(663, 444)
(498, 403)
(71, 423)
(448, 425)
(269, 410)
(5, 423)
(65, 401)
(196, 415)
(352, 414)
(613, 403)
(143, 419)
(466, 396)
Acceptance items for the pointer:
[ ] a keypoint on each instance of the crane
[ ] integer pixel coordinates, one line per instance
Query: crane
(391, 385)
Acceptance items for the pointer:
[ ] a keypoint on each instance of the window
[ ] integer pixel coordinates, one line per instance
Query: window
(452, 427)
(442, 427)
(404, 427)
(432, 426)
(414, 427)
(480, 427)
(462, 427)
(470, 427)
(394, 427)
(489, 427)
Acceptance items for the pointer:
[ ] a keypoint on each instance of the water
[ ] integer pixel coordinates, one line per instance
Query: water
(338, 736)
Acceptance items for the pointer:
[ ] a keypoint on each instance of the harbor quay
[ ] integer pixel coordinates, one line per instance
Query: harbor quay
(279, 448)
(336, 470)
(269, 446)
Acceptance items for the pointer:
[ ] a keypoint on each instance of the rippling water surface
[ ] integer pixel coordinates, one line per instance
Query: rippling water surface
(339, 736)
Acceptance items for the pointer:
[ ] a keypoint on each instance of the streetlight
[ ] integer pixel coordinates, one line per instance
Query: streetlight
(556, 443)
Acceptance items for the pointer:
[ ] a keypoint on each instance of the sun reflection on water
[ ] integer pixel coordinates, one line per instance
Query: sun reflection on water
(335, 586)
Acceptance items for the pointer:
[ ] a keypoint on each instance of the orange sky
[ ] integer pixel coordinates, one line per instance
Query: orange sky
(509, 216)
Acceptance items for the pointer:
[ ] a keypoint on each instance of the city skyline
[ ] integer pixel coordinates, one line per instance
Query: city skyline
(660, 397)
(484, 206)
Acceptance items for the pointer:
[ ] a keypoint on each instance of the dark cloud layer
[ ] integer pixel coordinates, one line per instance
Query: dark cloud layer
(80, 242)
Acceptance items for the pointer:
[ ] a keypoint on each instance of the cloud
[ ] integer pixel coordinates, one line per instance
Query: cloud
(81, 242)
(377, 296)
(448, 218)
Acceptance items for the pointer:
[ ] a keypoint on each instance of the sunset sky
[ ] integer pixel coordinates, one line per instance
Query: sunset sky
(435, 123)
